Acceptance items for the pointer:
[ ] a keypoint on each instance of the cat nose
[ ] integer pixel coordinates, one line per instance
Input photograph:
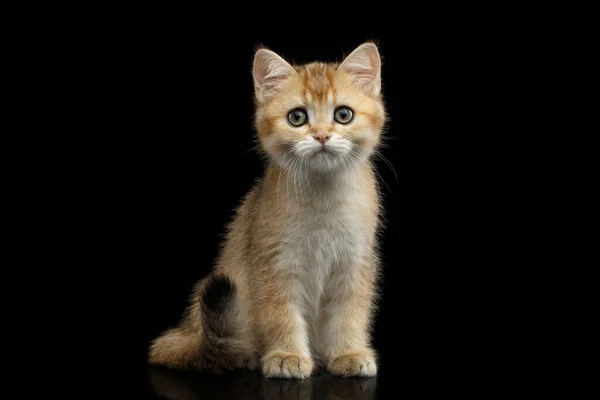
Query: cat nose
(322, 136)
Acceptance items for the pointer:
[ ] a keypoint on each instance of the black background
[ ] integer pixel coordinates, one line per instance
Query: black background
(189, 160)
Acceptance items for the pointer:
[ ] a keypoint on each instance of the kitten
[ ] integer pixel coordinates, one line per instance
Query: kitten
(295, 284)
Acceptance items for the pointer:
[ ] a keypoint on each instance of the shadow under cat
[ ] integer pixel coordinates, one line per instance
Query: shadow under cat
(244, 384)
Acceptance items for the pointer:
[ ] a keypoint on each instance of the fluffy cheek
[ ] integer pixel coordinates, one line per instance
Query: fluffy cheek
(279, 142)
(363, 134)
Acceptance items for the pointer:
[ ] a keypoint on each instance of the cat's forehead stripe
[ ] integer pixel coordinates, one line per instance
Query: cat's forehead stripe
(318, 82)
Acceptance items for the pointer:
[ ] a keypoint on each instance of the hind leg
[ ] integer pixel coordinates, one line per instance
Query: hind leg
(230, 342)
(175, 348)
(227, 354)
(212, 336)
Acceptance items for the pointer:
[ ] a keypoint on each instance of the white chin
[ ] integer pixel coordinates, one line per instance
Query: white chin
(326, 161)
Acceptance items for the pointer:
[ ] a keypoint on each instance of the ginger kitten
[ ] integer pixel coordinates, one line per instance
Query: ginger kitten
(295, 284)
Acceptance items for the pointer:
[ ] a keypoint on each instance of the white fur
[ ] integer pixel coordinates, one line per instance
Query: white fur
(301, 329)
(336, 156)
(325, 238)
(330, 106)
(308, 96)
(310, 112)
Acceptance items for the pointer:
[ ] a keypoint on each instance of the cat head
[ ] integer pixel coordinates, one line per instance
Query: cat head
(328, 116)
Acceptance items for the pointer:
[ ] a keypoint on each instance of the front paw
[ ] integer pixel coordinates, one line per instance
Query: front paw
(357, 363)
(279, 364)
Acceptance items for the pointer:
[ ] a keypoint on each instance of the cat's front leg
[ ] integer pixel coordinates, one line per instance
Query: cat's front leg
(283, 329)
(344, 323)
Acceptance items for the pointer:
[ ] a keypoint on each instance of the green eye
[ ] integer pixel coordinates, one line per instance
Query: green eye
(343, 115)
(297, 117)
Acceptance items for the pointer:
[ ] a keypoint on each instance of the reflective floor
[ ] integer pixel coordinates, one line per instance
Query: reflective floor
(243, 384)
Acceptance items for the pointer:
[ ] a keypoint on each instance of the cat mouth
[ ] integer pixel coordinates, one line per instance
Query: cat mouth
(324, 152)
(329, 153)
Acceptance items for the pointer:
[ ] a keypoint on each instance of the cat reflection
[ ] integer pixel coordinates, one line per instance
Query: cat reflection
(243, 384)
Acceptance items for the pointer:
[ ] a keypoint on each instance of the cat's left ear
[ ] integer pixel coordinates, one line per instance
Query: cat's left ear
(364, 64)
(270, 71)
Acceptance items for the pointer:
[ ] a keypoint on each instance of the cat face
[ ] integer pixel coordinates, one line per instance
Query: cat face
(322, 117)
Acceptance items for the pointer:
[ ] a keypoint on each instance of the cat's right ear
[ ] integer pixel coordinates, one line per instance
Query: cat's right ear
(269, 72)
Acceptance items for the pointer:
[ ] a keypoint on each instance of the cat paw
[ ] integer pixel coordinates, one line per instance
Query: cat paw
(358, 363)
(279, 364)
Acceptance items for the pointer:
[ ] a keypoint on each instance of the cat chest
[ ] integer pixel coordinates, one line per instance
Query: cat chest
(319, 240)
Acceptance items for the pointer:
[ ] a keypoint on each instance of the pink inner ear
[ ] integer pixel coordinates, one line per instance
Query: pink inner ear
(271, 84)
(261, 69)
(364, 65)
(361, 63)
(365, 74)
(270, 71)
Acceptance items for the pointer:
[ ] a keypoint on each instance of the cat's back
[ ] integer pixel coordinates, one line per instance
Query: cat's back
(236, 246)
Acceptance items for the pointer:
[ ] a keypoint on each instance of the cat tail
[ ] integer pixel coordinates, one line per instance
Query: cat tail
(208, 337)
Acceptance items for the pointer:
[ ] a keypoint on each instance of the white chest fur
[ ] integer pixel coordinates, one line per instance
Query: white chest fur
(326, 233)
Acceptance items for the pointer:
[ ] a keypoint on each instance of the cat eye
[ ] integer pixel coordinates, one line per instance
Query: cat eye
(297, 117)
(343, 115)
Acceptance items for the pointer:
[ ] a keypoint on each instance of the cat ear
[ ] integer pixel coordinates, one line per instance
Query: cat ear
(364, 64)
(269, 72)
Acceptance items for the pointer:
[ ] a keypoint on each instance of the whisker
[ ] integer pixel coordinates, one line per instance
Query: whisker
(345, 166)
(305, 162)
(253, 148)
(291, 170)
(389, 164)
(383, 158)
(287, 179)
(380, 177)
(357, 164)
(281, 172)
(353, 166)
(294, 168)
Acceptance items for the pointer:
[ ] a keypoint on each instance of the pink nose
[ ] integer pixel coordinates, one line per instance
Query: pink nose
(322, 136)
